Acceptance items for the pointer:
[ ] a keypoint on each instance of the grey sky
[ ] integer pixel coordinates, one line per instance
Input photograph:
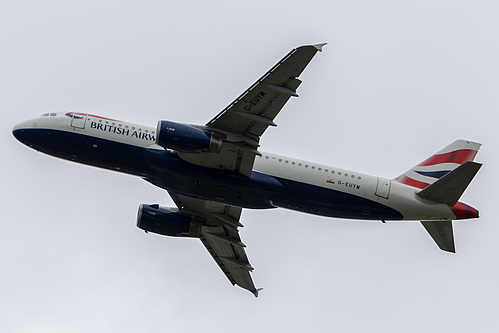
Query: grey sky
(396, 82)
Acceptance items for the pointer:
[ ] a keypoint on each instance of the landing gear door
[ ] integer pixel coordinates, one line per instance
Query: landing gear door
(78, 120)
(383, 188)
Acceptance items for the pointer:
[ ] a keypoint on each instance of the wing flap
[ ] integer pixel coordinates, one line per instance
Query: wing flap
(266, 96)
(230, 257)
(233, 157)
(220, 235)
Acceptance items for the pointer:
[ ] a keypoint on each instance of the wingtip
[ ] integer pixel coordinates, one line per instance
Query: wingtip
(319, 46)
(257, 291)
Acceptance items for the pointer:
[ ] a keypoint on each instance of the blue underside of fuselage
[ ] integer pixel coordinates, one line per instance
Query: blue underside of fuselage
(165, 169)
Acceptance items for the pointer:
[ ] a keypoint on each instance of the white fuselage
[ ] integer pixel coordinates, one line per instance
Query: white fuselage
(317, 177)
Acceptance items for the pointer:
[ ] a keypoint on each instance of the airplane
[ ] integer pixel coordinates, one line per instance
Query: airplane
(214, 171)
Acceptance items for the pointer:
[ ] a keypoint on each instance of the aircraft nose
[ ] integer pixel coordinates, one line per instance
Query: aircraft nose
(19, 130)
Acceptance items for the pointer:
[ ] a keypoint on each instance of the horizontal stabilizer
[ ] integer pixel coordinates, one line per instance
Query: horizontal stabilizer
(441, 232)
(449, 188)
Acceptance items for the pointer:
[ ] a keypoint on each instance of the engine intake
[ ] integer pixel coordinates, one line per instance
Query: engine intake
(185, 138)
(167, 221)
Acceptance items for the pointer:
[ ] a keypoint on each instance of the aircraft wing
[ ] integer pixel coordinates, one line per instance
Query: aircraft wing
(245, 119)
(252, 112)
(220, 236)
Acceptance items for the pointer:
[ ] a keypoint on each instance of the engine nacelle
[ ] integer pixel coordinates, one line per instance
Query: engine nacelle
(185, 138)
(167, 221)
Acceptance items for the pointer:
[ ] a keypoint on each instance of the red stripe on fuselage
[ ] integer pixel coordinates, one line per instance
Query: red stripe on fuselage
(91, 115)
(458, 156)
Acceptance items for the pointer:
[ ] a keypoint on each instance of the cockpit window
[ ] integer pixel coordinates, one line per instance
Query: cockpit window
(45, 115)
(53, 114)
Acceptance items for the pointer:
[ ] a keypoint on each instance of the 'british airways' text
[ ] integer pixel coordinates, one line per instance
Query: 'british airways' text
(123, 131)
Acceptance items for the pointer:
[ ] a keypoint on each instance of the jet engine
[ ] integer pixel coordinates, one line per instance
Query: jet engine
(167, 221)
(185, 138)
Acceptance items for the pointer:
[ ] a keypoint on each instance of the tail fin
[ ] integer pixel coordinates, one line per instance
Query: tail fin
(440, 164)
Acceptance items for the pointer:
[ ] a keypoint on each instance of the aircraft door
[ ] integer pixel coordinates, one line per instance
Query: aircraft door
(383, 188)
(78, 120)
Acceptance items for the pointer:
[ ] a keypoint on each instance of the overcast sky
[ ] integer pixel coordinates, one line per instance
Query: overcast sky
(397, 81)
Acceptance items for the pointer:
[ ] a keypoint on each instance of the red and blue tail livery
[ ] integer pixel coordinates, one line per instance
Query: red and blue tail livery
(440, 164)
(213, 171)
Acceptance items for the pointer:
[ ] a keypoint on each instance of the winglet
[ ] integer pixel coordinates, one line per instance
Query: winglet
(319, 46)
(257, 291)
